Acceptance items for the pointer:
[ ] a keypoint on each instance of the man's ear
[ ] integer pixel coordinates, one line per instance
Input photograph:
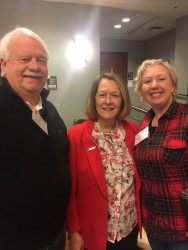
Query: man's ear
(3, 68)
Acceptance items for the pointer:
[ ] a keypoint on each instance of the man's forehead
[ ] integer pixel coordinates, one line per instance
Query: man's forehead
(23, 44)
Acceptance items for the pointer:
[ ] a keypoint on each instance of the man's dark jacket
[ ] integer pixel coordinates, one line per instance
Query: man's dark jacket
(34, 173)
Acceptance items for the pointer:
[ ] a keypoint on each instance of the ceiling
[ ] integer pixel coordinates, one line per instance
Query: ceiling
(148, 17)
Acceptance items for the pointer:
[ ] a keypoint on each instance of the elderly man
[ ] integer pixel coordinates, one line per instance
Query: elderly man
(34, 170)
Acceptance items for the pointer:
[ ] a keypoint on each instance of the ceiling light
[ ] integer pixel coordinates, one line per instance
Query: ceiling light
(117, 26)
(125, 20)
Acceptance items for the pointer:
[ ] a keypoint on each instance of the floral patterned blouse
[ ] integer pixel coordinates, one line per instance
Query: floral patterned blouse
(120, 175)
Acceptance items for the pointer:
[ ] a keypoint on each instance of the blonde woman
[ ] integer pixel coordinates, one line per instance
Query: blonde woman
(161, 154)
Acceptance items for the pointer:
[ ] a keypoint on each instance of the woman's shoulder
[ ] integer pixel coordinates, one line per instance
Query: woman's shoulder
(76, 128)
(79, 129)
(130, 125)
(184, 107)
(179, 110)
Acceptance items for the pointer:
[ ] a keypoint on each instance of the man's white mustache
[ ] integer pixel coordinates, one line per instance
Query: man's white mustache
(30, 74)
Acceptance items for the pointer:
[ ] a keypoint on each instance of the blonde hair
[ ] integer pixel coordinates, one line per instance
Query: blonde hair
(151, 62)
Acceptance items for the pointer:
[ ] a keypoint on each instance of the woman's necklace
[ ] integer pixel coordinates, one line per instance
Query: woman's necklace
(109, 138)
(154, 122)
(108, 133)
(106, 130)
(157, 116)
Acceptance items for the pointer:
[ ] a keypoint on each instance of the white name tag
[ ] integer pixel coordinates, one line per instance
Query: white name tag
(37, 118)
(141, 135)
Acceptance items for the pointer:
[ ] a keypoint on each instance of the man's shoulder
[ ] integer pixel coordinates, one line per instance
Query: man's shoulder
(50, 108)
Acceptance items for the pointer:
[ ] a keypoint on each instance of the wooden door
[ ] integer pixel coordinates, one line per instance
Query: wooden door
(115, 62)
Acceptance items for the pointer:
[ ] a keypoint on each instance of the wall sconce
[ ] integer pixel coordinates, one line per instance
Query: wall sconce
(79, 52)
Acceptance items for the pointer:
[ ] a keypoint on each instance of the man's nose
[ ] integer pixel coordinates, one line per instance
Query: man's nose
(33, 64)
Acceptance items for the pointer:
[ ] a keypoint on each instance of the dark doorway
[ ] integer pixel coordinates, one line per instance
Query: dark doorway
(115, 62)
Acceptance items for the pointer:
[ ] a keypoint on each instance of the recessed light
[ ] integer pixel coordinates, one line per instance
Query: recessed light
(125, 20)
(117, 26)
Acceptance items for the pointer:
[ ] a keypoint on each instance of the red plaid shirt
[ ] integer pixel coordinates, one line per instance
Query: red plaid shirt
(162, 160)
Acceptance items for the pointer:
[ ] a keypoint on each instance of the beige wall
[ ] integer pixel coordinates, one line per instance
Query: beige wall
(181, 54)
(162, 46)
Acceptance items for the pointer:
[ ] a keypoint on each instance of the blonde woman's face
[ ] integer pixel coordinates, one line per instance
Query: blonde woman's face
(157, 87)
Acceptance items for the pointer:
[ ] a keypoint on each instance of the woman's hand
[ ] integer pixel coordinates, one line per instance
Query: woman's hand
(76, 241)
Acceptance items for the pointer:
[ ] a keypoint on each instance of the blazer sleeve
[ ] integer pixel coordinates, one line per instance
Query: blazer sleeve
(72, 219)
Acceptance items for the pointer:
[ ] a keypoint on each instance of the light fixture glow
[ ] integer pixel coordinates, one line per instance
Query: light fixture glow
(125, 20)
(117, 26)
(79, 52)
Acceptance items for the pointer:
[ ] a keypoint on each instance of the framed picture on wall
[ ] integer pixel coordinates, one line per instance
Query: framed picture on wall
(52, 83)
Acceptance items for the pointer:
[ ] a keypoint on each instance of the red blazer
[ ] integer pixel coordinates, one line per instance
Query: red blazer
(87, 209)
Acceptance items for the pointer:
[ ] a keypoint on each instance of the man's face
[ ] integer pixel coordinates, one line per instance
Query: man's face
(26, 69)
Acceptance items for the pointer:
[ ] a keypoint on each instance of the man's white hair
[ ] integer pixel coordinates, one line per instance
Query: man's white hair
(17, 32)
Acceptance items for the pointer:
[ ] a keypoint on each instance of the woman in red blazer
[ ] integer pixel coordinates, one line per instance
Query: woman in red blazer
(104, 208)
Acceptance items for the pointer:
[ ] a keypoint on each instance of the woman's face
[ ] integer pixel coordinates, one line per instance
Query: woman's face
(108, 101)
(157, 87)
